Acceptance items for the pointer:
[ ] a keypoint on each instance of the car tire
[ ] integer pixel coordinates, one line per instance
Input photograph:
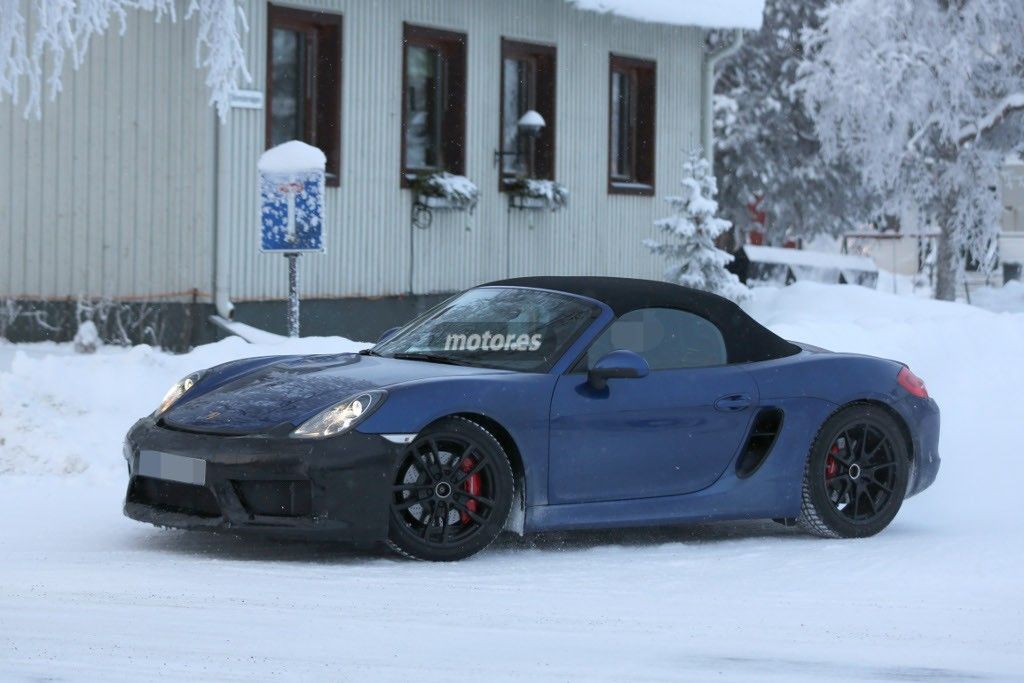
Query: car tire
(452, 492)
(856, 474)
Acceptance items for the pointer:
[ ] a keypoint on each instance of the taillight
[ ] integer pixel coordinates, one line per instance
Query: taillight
(912, 383)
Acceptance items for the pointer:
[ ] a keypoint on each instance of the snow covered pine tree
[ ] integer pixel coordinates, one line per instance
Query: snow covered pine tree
(766, 147)
(694, 260)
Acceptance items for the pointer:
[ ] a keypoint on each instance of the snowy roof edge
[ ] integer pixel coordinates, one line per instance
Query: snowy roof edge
(746, 14)
(802, 257)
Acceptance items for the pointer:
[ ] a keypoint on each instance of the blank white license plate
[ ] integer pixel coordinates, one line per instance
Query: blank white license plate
(173, 467)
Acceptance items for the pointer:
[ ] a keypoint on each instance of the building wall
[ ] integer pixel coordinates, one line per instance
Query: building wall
(372, 248)
(110, 194)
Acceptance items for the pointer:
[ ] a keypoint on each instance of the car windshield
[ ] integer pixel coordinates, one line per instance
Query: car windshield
(508, 328)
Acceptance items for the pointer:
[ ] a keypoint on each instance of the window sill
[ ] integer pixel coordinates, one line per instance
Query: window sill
(508, 182)
(529, 203)
(408, 177)
(438, 203)
(635, 189)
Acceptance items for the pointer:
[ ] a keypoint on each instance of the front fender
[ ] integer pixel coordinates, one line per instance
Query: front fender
(518, 402)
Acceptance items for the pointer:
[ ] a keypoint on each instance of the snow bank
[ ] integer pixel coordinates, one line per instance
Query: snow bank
(66, 413)
(87, 338)
(292, 157)
(718, 14)
(1008, 298)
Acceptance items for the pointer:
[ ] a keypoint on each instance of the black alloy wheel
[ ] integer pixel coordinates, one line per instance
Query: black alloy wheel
(451, 494)
(856, 475)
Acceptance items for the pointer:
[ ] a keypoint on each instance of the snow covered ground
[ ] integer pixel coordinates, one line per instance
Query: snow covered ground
(86, 594)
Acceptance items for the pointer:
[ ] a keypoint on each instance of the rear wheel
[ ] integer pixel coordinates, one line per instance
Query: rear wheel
(856, 475)
(451, 494)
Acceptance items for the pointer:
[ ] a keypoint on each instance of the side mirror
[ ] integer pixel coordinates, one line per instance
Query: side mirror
(388, 334)
(621, 364)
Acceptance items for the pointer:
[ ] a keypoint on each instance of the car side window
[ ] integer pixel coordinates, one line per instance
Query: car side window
(667, 338)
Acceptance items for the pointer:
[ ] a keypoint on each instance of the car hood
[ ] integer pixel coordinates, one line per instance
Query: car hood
(279, 393)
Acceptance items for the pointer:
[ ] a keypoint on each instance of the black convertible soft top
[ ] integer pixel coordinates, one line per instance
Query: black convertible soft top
(746, 340)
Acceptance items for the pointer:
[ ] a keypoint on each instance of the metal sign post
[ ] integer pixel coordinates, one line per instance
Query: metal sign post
(291, 211)
(293, 294)
(290, 191)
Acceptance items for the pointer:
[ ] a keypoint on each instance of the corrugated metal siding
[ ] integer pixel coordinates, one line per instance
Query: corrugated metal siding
(128, 149)
(372, 248)
(110, 194)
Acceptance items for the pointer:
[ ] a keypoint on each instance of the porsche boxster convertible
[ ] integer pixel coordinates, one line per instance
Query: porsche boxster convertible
(537, 404)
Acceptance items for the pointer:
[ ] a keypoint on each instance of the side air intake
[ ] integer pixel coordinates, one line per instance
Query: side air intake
(766, 428)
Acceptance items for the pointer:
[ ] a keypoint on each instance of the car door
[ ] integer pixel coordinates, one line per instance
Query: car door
(672, 432)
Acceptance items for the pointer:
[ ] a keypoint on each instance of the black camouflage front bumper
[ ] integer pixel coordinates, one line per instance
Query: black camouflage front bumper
(331, 489)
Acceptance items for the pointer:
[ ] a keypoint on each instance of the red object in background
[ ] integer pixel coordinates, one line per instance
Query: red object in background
(790, 244)
(756, 214)
(758, 218)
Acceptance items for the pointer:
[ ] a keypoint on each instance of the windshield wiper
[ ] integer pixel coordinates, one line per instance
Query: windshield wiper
(430, 358)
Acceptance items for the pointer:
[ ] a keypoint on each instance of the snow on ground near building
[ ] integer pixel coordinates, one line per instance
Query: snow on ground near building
(88, 594)
(1008, 298)
(62, 413)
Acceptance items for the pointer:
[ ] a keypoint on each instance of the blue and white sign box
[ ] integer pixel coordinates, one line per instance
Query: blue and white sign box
(292, 199)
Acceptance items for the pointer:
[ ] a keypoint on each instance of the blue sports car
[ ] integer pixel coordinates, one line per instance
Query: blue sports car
(535, 404)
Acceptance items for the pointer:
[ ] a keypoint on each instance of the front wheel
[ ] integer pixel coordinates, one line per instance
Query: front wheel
(451, 494)
(856, 474)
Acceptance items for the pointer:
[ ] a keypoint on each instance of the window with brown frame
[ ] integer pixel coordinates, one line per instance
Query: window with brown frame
(433, 101)
(631, 126)
(527, 82)
(304, 81)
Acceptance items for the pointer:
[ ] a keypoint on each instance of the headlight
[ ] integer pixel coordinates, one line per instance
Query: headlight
(340, 417)
(177, 391)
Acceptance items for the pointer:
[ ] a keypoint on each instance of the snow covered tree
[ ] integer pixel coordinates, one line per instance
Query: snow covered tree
(694, 260)
(925, 98)
(765, 144)
(65, 27)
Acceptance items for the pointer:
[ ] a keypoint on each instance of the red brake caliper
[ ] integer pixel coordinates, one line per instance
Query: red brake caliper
(472, 487)
(831, 465)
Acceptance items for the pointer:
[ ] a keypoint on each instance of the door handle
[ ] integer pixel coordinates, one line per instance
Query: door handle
(733, 403)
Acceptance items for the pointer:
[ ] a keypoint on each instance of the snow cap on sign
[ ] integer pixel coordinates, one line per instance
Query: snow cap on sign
(704, 13)
(291, 157)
